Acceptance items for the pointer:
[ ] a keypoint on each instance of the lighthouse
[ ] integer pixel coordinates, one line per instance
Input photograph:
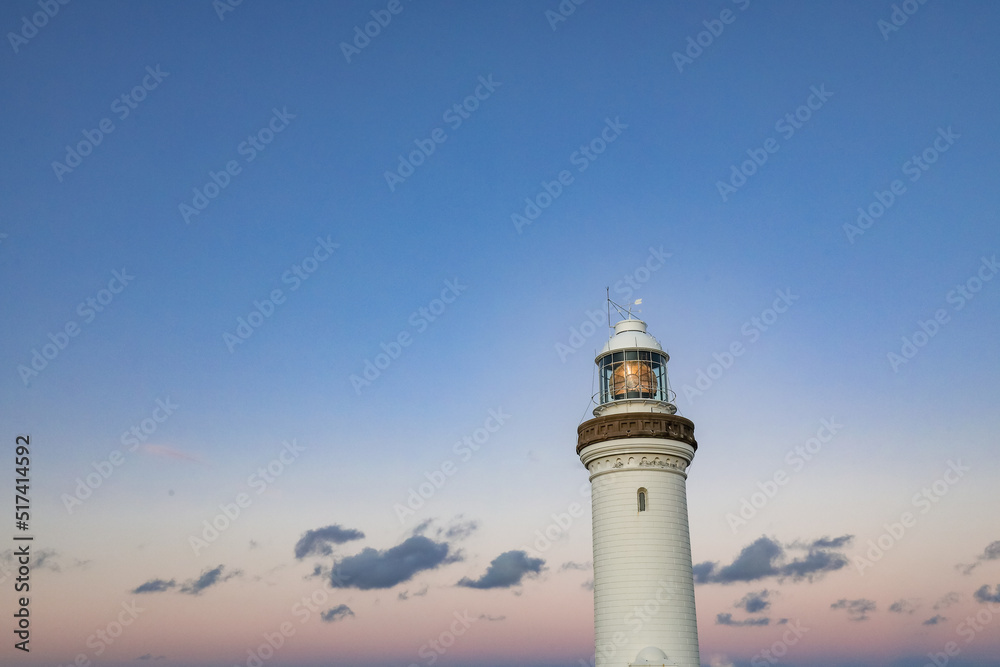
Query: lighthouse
(638, 450)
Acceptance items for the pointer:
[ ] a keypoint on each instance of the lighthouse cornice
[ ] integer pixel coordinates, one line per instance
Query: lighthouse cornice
(635, 425)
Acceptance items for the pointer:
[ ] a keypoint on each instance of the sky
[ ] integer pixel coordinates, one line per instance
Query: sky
(301, 303)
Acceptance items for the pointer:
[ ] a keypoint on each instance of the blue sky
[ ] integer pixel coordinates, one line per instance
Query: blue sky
(651, 198)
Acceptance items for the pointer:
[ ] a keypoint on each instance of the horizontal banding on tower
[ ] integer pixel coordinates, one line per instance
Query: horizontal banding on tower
(635, 425)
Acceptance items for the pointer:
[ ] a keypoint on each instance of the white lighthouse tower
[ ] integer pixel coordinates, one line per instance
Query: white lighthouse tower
(638, 451)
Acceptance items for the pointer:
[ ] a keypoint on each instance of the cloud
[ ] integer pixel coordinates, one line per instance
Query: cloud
(487, 617)
(570, 565)
(163, 451)
(816, 562)
(903, 606)
(317, 542)
(506, 570)
(154, 586)
(207, 579)
(372, 569)
(338, 613)
(720, 661)
(948, 600)
(588, 585)
(727, 619)
(149, 656)
(857, 610)
(455, 530)
(991, 552)
(405, 595)
(43, 559)
(983, 594)
(934, 620)
(458, 530)
(767, 558)
(832, 543)
(754, 602)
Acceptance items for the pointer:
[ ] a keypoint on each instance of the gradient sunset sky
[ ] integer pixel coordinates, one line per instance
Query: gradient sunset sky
(351, 285)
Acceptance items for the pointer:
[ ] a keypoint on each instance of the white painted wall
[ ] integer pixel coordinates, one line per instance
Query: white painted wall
(643, 584)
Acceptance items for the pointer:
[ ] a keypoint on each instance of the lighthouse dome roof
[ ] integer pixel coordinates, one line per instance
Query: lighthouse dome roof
(630, 334)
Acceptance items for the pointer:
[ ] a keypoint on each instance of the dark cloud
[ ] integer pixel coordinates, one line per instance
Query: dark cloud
(857, 610)
(154, 586)
(570, 565)
(754, 602)
(832, 543)
(703, 572)
(207, 579)
(948, 600)
(487, 617)
(422, 527)
(991, 552)
(815, 562)
(588, 585)
(338, 613)
(405, 595)
(43, 559)
(506, 570)
(984, 595)
(727, 619)
(317, 542)
(372, 569)
(934, 620)
(767, 558)
(149, 656)
(903, 607)
(458, 530)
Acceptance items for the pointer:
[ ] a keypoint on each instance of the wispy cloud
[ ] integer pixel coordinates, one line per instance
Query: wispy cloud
(857, 610)
(167, 452)
(727, 619)
(338, 613)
